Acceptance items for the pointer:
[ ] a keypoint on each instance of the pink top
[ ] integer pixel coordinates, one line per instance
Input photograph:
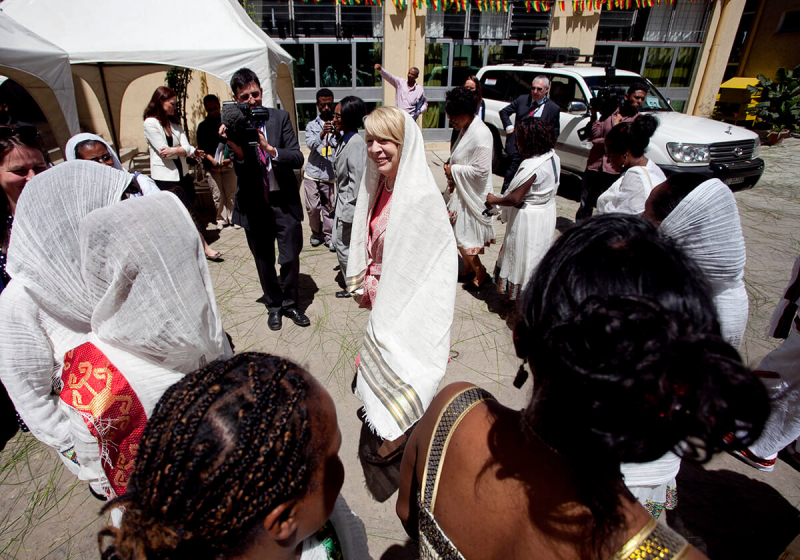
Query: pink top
(378, 222)
(406, 97)
(597, 155)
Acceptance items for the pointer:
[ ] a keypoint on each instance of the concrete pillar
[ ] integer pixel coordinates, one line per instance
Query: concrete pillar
(720, 34)
(570, 28)
(403, 43)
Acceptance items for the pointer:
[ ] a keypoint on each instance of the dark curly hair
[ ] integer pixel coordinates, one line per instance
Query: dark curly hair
(623, 338)
(633, 136)
(224, 447)
(461, 101)
(535, 137)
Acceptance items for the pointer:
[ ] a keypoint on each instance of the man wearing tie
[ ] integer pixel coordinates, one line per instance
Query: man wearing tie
(267, 202)
(536, 105)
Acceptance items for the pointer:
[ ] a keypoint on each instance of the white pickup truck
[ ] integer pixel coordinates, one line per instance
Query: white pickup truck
(681, 143)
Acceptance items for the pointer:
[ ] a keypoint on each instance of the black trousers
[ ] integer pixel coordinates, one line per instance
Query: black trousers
(593, 185)
(511, 150)
(277, 223)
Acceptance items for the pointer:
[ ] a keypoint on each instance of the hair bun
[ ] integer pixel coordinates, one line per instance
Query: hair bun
(644, 382)
(644, 126)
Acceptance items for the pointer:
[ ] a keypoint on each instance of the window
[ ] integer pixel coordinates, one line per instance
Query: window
(335, 68)
(367, 55)
(302, 64)
(653, 102)
(467, 60)
(306, 112)
(681, 22)
(506, 85)
(630, 58)
(564, 90)
(437, 59)
(603, 55)
(615, 25)
(528, 26)
(500, 53)
(276, 20)
(446, 23)
(684, 67)
(659, 60)
(433, 117)
(487, 24)
(359, 20)
(314, 20)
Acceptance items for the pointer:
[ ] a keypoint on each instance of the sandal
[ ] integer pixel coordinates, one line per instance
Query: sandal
(216, 257)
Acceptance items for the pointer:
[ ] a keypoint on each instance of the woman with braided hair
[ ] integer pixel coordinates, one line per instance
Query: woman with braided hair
(628, 364)
(240, 459)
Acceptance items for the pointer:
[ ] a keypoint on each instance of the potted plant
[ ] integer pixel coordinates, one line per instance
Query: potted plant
(778, 109)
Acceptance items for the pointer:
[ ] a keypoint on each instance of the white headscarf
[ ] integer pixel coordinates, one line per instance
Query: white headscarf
(71, 155)
(148, 283)
(706, 225)
(43, 251)
(147, 185)
(407, 341)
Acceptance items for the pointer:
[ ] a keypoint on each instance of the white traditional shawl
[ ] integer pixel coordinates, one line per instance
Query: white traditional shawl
(706, 225)
(471, 168)
(350, 530)
(407, 341)
(628, 194)
(43, 251)
(154, 314)
(526, 170)
(147, 185)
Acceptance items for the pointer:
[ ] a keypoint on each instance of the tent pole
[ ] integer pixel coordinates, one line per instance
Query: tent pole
(117, 147)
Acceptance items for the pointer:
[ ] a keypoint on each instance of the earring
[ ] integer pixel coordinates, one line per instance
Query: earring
(522, 375)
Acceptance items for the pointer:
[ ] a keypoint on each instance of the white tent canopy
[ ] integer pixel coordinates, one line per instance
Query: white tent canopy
(43, 70)
(110, 44)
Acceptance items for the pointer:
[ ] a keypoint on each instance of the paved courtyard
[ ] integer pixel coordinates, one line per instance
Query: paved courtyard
(726, 508)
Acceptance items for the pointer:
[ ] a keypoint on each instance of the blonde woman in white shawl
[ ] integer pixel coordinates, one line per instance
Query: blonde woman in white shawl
(469, 174)
(529, 206)
(403, 266)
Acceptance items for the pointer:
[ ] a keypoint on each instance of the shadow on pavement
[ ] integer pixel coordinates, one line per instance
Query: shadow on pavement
(409, 551)
(570, 187)
(728, 515)
(306, 288)
(563, 224)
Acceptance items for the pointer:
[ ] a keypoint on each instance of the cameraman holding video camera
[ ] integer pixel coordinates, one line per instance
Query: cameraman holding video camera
(599, 174)
(267, 203)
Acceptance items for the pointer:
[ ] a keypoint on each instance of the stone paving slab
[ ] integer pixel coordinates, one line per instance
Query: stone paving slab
(46, 513)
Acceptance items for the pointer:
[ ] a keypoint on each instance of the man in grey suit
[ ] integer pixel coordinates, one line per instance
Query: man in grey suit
(267, 202)
(536, 105)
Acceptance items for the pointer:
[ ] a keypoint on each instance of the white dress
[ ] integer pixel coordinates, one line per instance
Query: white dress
(530, 229)
(628, 194)
(471, 167)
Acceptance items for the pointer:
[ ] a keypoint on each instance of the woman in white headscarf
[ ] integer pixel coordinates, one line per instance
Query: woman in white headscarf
(402, 265)
(88, 146)
(43, 311)
(154, 319)
(91, 147)
(469, 173)
(702, 216)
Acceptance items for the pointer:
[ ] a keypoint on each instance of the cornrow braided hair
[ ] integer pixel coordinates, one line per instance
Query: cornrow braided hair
(225, 446)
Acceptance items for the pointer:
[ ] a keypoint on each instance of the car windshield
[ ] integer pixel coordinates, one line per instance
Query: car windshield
(654, 101)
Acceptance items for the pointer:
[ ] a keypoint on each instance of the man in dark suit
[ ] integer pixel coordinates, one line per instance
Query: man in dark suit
(535, 105)
(267, 202)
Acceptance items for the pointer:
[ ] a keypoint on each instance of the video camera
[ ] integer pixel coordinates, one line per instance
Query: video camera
(608, 97)
(242, 122)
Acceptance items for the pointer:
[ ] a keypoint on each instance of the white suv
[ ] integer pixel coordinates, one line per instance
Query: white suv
(681, 142)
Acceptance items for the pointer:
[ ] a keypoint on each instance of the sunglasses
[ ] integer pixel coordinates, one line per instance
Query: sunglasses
(537, 89)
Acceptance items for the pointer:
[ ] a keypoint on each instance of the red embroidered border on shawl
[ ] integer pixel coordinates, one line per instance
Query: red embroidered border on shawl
(110, 408)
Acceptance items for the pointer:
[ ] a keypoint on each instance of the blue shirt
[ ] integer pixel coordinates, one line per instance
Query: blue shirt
(320, 160)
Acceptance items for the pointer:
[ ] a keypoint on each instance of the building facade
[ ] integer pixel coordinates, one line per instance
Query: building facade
(678, 45)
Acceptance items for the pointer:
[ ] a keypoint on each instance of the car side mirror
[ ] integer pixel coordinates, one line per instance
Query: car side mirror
(577, 108)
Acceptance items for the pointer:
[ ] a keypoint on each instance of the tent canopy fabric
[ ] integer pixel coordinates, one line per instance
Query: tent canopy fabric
(43, 70)
(213, 36)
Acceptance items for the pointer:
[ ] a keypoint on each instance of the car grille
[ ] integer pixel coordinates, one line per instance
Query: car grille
(725, 152)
